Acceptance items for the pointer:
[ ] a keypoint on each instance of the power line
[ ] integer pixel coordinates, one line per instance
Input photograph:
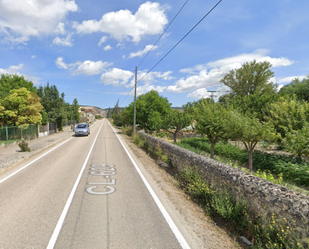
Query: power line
(163, 33)
(180, 40)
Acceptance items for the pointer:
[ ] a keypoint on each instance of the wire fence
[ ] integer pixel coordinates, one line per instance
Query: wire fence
(16, 133)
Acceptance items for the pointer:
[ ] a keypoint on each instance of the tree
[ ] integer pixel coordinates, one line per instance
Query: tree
(288, 114)
(297, 141)
(75, 108)
(210, 119)
(150, 110)
(9, 82)
(21, 107)
(298, 88)
(175, 121)
(248, 130)
(53, 104)
(252, 78)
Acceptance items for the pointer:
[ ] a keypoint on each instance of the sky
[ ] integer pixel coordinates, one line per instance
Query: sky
(90, 49)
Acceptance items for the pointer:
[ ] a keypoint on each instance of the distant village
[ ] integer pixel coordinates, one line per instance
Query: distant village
(90, 113)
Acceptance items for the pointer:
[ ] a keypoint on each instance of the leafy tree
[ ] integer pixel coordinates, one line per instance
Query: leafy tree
(297, 88)
(252, 78)
(175, 121)
(210, 119)
(248, 130)
(287, 115)
(150, 110)
(21, 107)
(297, 141)
(9, 82)
(53, 104)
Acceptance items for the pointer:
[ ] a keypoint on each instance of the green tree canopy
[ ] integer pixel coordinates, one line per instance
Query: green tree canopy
(210, 119)
(252, 78)
(248, 130)
(288, 114)
(20, 107)
(53, 104)
(9, 82)
(297, 87)
(175, 121)
(150, 110)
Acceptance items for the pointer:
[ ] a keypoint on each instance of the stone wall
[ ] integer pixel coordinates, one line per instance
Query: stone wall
(263, 197)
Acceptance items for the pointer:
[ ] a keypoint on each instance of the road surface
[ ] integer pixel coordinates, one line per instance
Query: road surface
(86, 193)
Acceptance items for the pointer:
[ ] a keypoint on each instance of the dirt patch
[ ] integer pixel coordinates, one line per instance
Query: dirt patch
(202, 231)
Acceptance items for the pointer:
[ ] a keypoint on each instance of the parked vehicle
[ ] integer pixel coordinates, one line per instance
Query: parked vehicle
(82, 129)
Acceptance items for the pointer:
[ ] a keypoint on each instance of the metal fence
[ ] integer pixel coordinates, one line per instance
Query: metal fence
(13, 133)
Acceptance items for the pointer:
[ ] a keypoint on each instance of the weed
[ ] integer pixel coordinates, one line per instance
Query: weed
(23, 145)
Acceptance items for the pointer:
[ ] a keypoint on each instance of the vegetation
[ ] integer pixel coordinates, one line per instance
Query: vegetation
(23, 103)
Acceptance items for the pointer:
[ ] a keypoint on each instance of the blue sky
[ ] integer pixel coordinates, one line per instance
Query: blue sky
(89, 49)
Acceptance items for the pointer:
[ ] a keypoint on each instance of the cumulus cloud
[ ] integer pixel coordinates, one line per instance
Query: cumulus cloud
(210, 74)
(12, 69)
(116, 77)
(140, 53)
(64, 41)
(86, 67)
(108, 47)
(22, 19)
(290, 79)
(149, 19)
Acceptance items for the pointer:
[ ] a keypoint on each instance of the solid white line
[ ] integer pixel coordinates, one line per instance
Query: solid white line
(60, 222)
(27, 165)
(165, 214)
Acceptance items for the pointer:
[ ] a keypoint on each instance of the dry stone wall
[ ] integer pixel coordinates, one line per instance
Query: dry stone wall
(263, 197)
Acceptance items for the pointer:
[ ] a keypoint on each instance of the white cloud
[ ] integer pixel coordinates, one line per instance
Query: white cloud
(22, 19)
(61, 64)
(116, 77)
(12, 69)
(108, 47)
(290, 79)
(60, 29)
(87, 67)
(33, 56)
(144, 89)
(16, 70)
(121, 45)
(103, 39)
(210, 74)
(64, 41)
(149, 19)
(199, 93)
(140, 53)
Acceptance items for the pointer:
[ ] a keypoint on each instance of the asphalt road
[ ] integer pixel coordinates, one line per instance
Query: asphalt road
(86, 193)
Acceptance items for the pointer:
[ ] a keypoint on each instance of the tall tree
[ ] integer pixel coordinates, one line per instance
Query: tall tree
(9, 82)
(150, 110)
(21, 107)
(252, 78)
(53, 104)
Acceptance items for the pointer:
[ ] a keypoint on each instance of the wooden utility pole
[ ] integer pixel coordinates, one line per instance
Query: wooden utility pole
(134, 124)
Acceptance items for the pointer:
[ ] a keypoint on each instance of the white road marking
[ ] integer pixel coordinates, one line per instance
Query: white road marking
(59, 225)
(27, 165)
(165, 214)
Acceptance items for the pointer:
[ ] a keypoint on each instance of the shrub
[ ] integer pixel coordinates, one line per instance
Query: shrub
(23, 145)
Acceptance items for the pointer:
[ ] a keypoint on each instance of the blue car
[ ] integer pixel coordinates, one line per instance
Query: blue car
(82, 129)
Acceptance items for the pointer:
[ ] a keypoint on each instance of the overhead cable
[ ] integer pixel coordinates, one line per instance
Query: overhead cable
(163, 33)
(180, 40)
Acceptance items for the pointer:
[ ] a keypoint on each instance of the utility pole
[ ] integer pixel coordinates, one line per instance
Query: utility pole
(134, 124)
(212, 97)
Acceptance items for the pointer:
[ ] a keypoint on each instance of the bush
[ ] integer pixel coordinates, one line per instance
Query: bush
(23, 145)
(128, 130)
